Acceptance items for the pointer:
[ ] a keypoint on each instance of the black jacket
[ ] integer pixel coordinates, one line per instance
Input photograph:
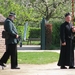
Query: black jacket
(11, 29)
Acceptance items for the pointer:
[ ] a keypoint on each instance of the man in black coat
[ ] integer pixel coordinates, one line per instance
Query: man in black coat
(11, 42)
(67, 45)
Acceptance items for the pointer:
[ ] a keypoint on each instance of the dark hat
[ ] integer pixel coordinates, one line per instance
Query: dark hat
(67, 14)
(12, 14)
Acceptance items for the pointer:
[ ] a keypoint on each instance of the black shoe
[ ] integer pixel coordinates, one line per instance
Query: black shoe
(15, 68)
(63, 67)
(1, 64)
(71, 67)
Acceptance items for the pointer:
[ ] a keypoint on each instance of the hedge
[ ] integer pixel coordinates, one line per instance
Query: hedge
(34, 32)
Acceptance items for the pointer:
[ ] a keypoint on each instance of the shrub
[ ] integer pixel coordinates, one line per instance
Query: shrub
(20, 30)
(34, 33)
(55, 34)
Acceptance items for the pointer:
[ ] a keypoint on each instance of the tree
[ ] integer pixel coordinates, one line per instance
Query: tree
(45, 8)
(23, 13)
(50, 8)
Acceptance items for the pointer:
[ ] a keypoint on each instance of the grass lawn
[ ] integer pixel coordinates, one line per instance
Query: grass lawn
(37, 57)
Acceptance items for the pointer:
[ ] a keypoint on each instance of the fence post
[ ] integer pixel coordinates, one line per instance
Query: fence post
(43, 34)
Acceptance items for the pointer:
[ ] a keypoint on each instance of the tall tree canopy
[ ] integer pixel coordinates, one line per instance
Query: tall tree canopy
(34, 10)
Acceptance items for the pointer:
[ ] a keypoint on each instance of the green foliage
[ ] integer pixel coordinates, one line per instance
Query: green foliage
(32, 43)
(55, 34)
(37, 57)
(34, 33)
(20, 30)
(32, 10)
(52, 8)
(23, 13)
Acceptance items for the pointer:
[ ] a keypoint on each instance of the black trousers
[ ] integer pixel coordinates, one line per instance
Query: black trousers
(11, 51)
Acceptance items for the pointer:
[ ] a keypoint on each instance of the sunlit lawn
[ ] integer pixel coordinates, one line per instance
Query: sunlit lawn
(37, 57)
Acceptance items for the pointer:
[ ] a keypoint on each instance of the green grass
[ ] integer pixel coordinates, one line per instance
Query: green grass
(37, 57)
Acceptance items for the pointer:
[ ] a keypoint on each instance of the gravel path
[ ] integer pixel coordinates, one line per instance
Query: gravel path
(28, 69)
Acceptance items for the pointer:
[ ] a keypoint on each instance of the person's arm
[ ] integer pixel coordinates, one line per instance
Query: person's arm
(62, 35)
(8, 28)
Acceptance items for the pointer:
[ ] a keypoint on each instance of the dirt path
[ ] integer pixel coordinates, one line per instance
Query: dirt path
(47, 69)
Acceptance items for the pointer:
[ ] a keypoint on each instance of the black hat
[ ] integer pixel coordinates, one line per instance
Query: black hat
(67, 14)
(12, 14)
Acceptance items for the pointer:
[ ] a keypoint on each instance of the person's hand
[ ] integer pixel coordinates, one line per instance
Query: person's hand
(64, 43)
(73, 28)
(17, 36)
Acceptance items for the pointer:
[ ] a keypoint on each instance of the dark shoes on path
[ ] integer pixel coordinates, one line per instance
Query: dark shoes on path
(1, 64)
(15, 68)
(71, 67)
(63, 67)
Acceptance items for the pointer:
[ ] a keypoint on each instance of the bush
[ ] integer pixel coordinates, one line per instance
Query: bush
(34, 32)
(55, 34)
(20, 30)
